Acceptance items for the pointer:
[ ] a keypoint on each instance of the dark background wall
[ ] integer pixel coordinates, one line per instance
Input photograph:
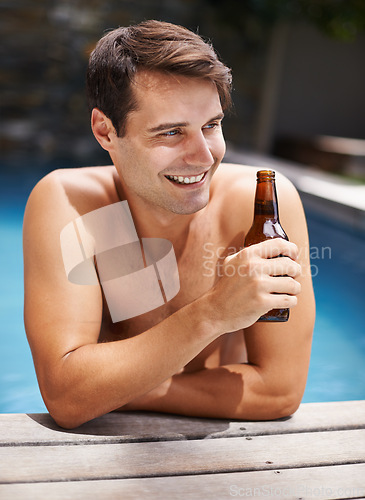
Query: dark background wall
(284, 78)
(322, 87)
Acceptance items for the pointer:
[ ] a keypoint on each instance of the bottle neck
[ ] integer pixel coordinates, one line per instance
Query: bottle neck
(266, 205)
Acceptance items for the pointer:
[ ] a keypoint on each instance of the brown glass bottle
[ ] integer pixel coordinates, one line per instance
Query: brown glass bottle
(266, 225)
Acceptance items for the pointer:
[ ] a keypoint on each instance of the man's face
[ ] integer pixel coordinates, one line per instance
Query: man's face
(173, 143)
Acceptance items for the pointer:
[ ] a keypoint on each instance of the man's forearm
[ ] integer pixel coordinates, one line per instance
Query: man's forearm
(232, 391)
(83, 379)
(95, 379)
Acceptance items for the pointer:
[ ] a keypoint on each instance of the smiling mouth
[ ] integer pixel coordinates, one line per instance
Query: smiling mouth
(179, 179)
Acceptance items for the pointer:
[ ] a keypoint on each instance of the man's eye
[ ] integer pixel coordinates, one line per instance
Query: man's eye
(211, 126)
(170, 133)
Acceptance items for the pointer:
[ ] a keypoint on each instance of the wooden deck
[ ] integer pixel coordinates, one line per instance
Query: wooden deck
(319, 453)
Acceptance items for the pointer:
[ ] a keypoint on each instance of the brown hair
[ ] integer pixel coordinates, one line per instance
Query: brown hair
(150, 45)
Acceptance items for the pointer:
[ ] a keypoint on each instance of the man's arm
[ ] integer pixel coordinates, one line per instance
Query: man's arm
(272, 383)
(80, 378)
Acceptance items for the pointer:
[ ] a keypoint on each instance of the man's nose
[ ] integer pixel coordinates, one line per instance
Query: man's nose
(198, 152)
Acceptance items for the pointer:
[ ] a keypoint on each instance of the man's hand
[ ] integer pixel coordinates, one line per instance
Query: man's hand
(253, 282)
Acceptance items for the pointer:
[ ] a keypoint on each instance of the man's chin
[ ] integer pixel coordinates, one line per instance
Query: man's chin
(189, 210)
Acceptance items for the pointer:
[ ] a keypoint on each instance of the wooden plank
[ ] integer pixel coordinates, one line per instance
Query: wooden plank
(22, 429)
(328, 482)
(113, 461)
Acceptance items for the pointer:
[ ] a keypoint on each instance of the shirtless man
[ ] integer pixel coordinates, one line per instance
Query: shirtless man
(158, 94)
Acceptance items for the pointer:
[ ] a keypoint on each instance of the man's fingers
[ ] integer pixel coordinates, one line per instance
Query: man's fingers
(273, 248)
(283, 285)
(283, 266)
(253, 265)
(277, 301)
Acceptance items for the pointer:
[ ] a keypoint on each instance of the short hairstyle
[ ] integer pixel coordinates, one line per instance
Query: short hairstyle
(150, 45)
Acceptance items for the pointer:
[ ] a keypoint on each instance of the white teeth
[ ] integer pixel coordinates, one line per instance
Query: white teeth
(185, 180)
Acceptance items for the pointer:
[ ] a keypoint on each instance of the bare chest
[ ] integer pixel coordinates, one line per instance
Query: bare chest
(198, 264)
(169, 280)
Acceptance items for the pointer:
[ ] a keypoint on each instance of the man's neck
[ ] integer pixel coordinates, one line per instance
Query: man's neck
(157, 222)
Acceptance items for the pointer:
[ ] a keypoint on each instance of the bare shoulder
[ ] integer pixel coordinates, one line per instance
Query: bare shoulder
(235, 183)
(74, 190)
(233, 178)
(58, 199)
(233, 187)
(291, 212)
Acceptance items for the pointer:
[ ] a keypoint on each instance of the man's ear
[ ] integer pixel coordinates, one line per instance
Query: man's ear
(102, 128)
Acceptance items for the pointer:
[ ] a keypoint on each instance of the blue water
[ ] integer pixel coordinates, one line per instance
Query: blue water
(338, 356)
(18, 385)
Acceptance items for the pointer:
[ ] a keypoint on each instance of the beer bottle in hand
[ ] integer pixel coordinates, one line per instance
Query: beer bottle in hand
(266, 225)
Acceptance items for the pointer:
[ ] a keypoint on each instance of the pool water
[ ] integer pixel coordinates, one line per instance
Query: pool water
(338, 356)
